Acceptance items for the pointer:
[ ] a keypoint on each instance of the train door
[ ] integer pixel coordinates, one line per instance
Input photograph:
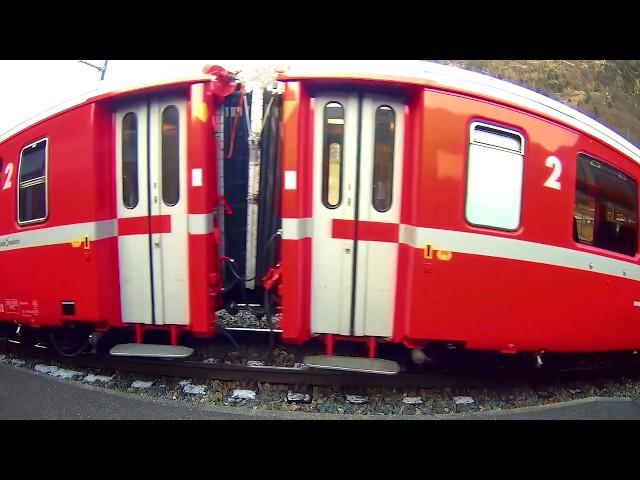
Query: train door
(152, 211)
(358, 146)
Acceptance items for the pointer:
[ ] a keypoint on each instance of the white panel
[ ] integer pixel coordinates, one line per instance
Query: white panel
(135, 286)
(290, 180)
(133, 250)
(377, 261)
(170, 250)
(196, 177)
(376, 287)
(201, 223)
(296, 228)
(494, 187)
(161, 275)
(332, 259)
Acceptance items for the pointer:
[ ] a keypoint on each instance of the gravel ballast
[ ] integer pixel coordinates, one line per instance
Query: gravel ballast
(334, 400)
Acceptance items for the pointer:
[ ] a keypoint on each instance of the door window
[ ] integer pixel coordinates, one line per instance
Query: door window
(130, 160)
(170, 156)
(333, 146)
(384, 143)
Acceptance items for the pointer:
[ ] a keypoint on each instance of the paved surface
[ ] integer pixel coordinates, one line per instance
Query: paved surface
(584, 409)
(29, 395)
(25, 394)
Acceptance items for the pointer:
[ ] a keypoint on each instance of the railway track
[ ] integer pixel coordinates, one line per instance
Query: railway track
(473, 377)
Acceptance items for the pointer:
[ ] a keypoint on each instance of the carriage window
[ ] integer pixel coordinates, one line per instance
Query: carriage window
(130, 160)
(606, 208)
(383, 158)
(332, 154)
(170, 156)
(32, 189)
(494, 177)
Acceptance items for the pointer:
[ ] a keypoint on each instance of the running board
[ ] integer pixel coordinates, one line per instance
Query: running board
(353, 364)
(243, 329)
(150, 351)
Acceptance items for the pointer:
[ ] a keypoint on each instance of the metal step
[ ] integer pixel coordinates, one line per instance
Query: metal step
(150, 350)
(242, 329)
(353, 364)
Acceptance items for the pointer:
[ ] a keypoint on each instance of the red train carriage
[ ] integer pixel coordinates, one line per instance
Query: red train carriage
(435, 205)
(108, 210)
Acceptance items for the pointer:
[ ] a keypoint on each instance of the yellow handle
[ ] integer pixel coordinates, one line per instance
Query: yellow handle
(428, 250)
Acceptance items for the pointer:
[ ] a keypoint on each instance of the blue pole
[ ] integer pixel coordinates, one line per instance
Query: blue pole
(104, 69)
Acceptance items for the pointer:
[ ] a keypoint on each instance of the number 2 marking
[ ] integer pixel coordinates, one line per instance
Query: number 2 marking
(552, 181)
(8, 171)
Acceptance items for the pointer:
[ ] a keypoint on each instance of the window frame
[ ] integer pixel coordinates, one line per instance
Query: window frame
(122, 159)
(324, 190)
(46, 184)
(521, 151)
(596, 223)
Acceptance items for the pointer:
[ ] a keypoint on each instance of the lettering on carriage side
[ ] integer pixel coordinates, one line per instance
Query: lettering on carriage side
(10, 305)
(8, 173)
(556, 165)
(29, 309)
(62, 234)
(9, 242)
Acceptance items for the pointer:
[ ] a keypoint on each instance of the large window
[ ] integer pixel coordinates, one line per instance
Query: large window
(170, 156)
(130, 160)
(494, 177)
(333, 144)
(32, 183)
(384, 144)
(606, 207)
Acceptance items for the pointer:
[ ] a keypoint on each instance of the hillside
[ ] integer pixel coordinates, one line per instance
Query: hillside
(607, 90)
